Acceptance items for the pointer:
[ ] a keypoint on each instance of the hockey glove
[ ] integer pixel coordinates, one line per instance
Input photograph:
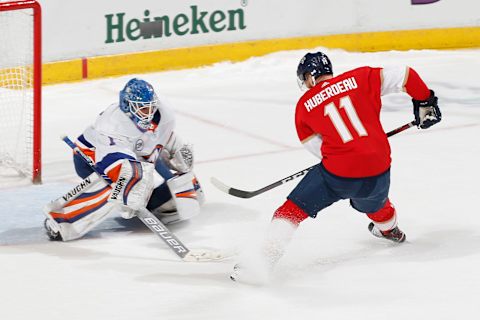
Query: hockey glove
(427, 113)
(180, 160)
(183, 158)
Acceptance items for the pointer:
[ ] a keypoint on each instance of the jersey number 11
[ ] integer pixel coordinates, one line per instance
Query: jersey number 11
(332, 112)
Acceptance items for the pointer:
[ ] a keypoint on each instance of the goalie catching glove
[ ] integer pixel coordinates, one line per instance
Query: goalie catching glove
(181, 159)
(178, 155)
(427, 113)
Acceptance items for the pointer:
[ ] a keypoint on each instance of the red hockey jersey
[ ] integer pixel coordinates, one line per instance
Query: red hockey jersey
(345, 112)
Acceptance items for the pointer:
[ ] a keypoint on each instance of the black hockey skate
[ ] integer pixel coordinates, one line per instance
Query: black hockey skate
(51, 233)
(395, 235)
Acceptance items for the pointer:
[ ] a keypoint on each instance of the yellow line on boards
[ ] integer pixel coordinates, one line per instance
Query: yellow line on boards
(182, 58)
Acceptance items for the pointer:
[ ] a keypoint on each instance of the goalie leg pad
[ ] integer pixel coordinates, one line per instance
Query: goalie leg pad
(184, 196)
(162, 201)
(199, 190)
(80, 209)
(134, 185)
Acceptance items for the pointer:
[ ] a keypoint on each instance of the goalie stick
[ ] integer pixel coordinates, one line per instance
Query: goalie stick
(151, 221)
(249, 194)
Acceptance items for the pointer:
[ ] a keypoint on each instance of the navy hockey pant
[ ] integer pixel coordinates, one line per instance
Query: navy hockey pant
(319, 189)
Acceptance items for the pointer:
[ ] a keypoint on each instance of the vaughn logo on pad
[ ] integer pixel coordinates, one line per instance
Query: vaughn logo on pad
(77, 189)
(118, 190)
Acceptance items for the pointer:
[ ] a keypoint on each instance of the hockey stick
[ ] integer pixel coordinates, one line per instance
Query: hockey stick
(249, 194)
(400, 129)
(151, 221)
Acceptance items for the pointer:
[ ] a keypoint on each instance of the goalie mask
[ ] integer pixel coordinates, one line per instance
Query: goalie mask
(139, 101)
(317, 64)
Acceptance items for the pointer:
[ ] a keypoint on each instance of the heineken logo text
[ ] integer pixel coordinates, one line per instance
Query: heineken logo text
(196, 21)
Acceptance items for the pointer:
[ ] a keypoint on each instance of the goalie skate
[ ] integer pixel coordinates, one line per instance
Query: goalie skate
(395, 235)
(52, 230)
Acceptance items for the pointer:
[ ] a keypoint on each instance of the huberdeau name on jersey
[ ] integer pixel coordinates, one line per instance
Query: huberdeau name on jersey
(331, 91)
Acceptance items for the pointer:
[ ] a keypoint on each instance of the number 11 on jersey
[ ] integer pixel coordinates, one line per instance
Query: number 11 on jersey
(332, 112)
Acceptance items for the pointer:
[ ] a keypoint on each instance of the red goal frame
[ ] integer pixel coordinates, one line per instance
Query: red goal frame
(37, 80)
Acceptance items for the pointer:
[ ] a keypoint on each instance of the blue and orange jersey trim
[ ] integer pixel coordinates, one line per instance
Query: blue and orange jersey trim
(158, 147)
(86, 147)
(84, 142)
(111, 164)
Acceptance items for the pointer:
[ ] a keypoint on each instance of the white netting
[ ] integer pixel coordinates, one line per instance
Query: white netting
(16, 92)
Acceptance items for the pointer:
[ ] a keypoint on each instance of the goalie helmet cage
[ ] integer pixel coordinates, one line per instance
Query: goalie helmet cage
(20, 89)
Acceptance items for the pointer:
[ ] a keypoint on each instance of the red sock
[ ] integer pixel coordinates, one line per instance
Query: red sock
(385, 219)
(291, 212)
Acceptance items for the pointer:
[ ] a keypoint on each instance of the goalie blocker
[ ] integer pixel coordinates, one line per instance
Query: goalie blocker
(87, 204)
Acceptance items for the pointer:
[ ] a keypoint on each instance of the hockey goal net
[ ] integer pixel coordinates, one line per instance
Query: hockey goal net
(20, 90)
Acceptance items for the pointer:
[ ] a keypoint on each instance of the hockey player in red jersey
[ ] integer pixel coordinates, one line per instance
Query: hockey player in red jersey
(338, 120)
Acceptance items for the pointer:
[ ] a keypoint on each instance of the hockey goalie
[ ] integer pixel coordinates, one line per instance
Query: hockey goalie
(133, 143)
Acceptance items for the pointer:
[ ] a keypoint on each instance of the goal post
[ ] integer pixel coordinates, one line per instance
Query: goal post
(20, 89)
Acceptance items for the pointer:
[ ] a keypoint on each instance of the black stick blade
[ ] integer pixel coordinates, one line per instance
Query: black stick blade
(232, 191)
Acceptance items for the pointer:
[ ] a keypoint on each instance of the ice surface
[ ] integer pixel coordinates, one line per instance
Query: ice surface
(240, 119)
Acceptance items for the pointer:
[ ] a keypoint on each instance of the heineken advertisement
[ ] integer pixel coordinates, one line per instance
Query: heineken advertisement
(92, 28)
(121, 27)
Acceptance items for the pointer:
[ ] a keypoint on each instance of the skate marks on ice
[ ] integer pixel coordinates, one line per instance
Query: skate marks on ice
(21, 212)
(18, 235)
(22, 230)
(433, 247)
(201, 275)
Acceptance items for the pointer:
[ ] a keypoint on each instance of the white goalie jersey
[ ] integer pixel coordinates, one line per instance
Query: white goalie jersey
(114, 137)
(125, 143)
